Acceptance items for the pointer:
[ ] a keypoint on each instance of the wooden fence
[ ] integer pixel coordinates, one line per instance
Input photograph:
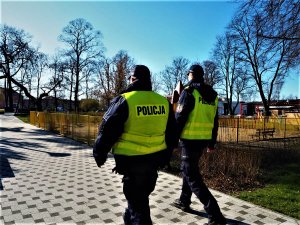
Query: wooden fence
(84, 128)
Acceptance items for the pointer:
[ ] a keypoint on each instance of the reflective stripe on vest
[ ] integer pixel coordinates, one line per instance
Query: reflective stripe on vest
(200, 122)
(144, 130)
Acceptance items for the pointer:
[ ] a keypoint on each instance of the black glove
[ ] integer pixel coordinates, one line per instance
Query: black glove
(166, 167)
(100, 160)
(165, 159)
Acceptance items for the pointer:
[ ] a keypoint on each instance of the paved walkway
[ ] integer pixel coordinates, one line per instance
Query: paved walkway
(49, 179)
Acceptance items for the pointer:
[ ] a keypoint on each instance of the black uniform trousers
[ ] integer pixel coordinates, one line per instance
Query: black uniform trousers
(192, 179)
(137, 186)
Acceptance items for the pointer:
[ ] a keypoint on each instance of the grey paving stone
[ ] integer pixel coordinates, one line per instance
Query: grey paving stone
(54, 180)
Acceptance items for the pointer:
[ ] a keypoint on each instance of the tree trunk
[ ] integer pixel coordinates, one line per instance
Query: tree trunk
(55, 101)
(39, 106)
(10, 107)
(77, 73)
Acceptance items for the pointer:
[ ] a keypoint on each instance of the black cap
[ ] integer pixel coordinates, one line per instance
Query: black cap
(141, 72)
(197, 71)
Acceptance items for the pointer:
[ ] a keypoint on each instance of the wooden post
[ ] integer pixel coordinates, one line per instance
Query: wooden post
(176, 94)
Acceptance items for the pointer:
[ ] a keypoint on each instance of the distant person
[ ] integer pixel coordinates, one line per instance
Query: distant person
(197, 124)
(139, 126)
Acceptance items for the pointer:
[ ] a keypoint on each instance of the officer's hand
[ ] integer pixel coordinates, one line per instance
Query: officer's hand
(100, 160)
(168, 167)
(210, 150)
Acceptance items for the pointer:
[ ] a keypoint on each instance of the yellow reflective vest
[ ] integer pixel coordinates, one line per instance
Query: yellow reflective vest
(144, 130)
(200, 121)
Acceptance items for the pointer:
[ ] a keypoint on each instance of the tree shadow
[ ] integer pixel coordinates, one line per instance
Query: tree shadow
(229, 221)
(236, 222)
(14, 129)
(72, 144)
(11, 142)
(8, 151)
(5, 168)
(57, 154)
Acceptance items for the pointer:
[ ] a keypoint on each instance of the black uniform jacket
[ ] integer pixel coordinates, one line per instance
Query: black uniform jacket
(112, 127)
(186, 104)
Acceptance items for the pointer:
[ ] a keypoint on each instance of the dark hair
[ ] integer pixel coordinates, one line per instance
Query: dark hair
(198, 73)
(142, 72)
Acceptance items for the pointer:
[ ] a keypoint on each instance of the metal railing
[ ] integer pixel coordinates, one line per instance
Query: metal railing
(252, 129)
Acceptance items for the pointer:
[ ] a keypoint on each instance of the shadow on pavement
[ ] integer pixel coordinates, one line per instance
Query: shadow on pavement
(229, 221)
(57, 154)
(5, 170)
(14, 129)
(7, 151)
(236, 222)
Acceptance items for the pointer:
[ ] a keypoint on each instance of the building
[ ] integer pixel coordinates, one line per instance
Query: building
(255, 108)
(285, 107)
(18, 99)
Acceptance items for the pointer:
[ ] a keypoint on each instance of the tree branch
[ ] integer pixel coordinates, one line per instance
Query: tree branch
(279, 37)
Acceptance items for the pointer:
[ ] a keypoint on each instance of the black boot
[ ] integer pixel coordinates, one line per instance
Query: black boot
(180, 205)
(220, 220)
(127, 217)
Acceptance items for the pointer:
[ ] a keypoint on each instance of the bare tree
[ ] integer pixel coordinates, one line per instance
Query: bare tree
(69, 78)
(122, 66)
(112, 76)
(59, 69)
(26, 79)
(280, 18)
(18, 56)
(234, 78)
(83, 46)
(156, 84)
(104, 84)
(242, 86)
(277, 89)
(89, 75)
(212, 75)
(15, 53)
(171, 75)
(269, 59)
(39, 64)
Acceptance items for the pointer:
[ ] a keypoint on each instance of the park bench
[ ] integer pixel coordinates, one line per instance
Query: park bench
(264, 133)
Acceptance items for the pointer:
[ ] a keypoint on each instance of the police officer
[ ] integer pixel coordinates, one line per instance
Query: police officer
(197, 125)
(139, 126)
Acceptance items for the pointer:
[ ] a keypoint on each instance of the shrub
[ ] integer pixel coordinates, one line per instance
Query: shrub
(231, 168)
(237, 167)
(87, 105)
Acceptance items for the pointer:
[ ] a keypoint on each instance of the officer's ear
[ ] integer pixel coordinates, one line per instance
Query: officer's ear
(132, 79)
(190, 76)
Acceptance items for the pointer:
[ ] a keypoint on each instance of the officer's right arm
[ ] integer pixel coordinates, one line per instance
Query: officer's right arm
(171, 138)
(185, 106)
(111, 128)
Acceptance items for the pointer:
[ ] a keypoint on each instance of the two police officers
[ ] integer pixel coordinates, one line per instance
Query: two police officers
(197, 123)
(139, 126)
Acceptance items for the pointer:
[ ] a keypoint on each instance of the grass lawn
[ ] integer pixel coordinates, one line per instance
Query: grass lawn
(281, 192)
(24, 118)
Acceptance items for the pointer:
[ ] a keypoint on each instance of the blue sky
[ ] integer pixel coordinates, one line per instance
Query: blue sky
(152, 32)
